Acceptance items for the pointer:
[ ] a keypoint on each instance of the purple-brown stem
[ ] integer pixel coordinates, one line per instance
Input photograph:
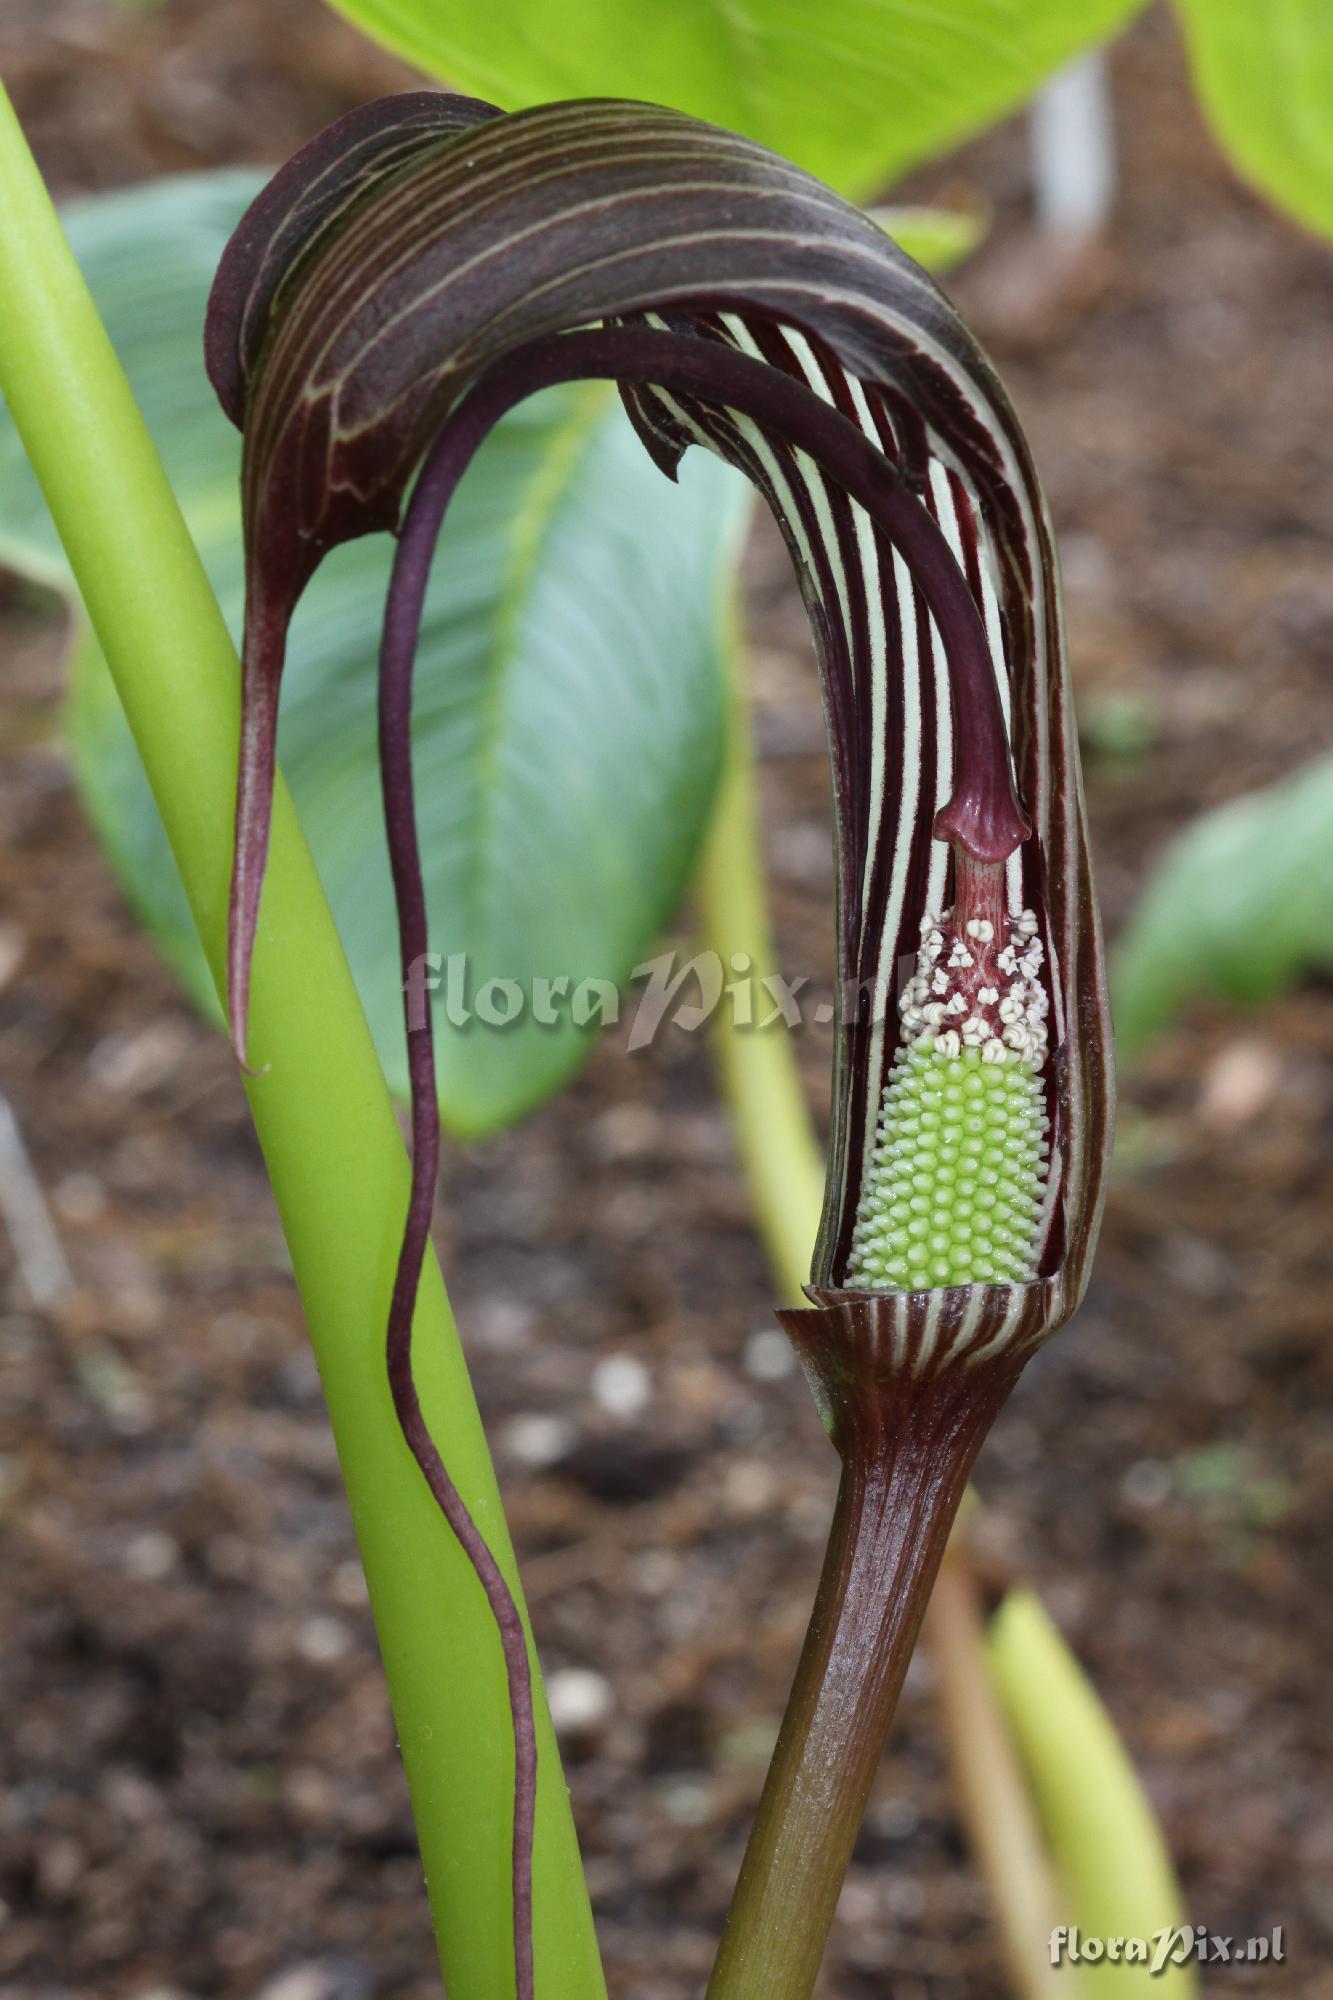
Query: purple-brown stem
(907, 1444)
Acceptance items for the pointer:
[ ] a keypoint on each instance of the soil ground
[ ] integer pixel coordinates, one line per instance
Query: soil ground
(202, 1799)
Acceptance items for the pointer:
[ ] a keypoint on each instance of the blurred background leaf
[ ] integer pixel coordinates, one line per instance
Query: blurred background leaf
(939, 238)
(858, 93)
(570, 694)
(1237, 909)
(1263, 70)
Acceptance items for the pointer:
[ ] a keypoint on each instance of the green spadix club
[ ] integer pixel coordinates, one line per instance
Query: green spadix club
(956, 1181)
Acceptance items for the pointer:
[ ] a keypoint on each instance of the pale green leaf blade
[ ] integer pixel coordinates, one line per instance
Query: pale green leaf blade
(938, 238)
(856, 92)
(570, 692)
(1115, 1875)
(1263, 70)
(1239, 907)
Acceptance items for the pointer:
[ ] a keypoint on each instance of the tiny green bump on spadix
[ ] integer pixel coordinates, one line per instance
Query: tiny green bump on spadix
(956, 1178)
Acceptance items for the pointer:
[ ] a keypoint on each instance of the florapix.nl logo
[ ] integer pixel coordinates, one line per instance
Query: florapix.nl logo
(1173, 1944)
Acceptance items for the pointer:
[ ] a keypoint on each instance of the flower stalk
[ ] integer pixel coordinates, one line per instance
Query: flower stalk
(906, 1452)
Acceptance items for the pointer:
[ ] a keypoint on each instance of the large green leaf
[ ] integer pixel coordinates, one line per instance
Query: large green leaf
(856, 91)
(1264, 73)
(1239, 907)
(569, 710)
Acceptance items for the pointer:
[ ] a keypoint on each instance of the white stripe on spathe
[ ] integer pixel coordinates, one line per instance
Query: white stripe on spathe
(872, 583)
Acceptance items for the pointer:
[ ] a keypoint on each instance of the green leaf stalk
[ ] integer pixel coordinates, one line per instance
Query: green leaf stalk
(322, 1112)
